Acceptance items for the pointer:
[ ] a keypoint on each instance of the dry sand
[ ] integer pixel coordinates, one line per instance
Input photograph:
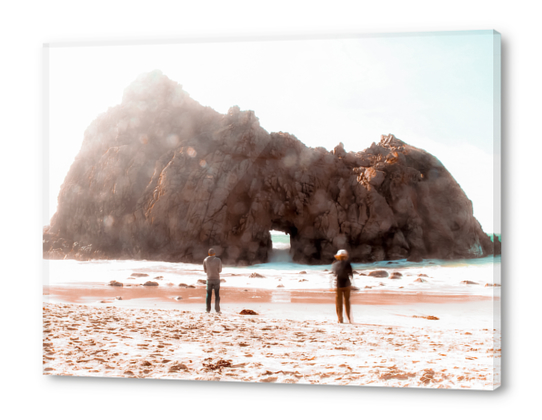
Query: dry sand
(108, 340)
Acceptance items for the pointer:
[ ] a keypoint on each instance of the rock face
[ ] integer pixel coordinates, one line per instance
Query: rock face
(162, 177)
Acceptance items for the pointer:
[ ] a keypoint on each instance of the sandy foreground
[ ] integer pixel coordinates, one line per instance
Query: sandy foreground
(113, 341)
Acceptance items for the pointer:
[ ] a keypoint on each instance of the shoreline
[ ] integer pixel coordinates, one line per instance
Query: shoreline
(79, 293)
(458, 279)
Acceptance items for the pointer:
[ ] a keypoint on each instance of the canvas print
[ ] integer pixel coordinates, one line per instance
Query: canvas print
(302, 210)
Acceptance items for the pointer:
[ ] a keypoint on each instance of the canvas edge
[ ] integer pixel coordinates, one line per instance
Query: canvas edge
(497, 183)
(44, 183)
(225, 37)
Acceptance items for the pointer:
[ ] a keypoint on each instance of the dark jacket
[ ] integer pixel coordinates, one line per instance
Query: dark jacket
(343, 273)
(212, 266)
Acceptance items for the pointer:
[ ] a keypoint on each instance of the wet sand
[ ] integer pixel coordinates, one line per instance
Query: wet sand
(91, 292)
(382, 307)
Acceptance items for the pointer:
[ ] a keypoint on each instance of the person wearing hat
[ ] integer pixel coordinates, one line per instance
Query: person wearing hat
(212, 266)
(342, 270)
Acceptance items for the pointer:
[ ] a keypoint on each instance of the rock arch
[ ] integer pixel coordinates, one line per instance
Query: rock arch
(162, 177)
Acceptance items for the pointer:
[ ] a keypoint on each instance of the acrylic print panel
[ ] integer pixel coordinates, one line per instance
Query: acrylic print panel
(208, 198)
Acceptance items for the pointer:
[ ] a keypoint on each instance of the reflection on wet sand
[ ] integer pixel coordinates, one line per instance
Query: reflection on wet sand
(91, 293)
(281, 296)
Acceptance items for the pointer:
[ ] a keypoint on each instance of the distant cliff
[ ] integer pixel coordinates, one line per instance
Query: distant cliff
(162, 177)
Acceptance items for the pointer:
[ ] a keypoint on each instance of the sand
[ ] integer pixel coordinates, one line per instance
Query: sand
(108, 339)
(433, 327)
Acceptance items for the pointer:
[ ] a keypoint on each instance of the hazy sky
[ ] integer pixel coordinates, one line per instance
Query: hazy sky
(434, 91)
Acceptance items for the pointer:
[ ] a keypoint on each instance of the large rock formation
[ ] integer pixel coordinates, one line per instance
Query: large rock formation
(162, 177)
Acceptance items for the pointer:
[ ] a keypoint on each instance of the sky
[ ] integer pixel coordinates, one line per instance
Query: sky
(435, 91)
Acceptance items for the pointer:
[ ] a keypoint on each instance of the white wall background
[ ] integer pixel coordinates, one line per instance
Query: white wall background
(26, 25)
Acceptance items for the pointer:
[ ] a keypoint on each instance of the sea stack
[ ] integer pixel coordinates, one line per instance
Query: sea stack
(161, 177)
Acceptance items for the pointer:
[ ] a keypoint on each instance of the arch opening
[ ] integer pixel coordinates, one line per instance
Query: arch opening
(281, 240)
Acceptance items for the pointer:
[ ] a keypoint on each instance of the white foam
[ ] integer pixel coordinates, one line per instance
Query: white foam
(446, 277)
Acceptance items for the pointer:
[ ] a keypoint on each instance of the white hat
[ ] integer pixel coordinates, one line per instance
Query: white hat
(342, 253)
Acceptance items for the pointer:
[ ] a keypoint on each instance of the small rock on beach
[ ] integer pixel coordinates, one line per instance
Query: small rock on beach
(115, 283)
(379, 273)
(248, 312)
(150, 283)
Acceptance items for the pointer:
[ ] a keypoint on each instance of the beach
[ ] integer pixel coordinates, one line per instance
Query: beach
(110, 341)
(430, 327)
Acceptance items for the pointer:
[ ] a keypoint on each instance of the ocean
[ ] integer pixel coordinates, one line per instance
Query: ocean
(457, 277)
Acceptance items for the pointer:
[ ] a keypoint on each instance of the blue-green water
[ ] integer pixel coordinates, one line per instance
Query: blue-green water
(280, 239)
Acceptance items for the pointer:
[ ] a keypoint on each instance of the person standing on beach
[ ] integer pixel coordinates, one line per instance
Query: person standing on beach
(213, 267)
(342, 270)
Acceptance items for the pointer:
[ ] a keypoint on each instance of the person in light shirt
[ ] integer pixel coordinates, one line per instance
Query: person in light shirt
(213, 267)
